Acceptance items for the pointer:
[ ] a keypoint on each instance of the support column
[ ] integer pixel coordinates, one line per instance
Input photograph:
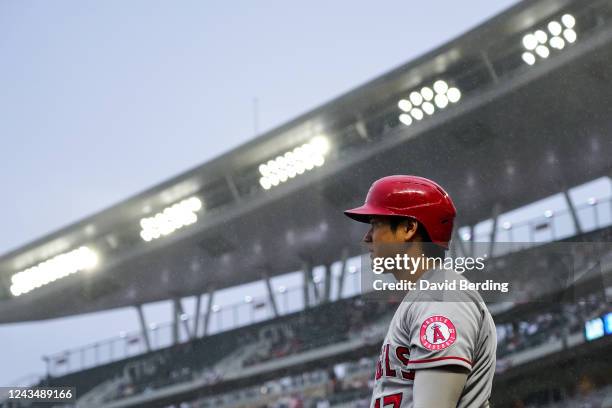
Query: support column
(328, 281)
(271, 298)
(47, 361)
(211, 295)
(175, 323)
(472, 240)
(196, 315)
(185, 323)
(492, 240)
(306, 273)
(143, 327)
(572, 209)
(490, 69)
(232, 187)
(315, 288)
(343, 265)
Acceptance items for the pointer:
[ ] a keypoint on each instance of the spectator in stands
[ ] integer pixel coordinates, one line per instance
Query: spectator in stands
(296, 402)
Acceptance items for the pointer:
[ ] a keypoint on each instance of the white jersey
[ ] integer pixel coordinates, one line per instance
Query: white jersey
(430, 331)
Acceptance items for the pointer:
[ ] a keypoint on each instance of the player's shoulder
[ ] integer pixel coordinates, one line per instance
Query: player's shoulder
(447, 285)
(443, 293)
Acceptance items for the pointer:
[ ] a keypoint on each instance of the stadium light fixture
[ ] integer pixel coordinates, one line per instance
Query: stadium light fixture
(555, 36)
(170, 219)
(425, 101)
(293, 163)
(58, 267)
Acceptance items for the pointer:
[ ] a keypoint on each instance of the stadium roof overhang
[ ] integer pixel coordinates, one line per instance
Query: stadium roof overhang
(529, 133)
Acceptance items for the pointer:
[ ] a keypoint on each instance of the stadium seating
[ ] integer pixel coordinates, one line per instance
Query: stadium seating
(317, 386)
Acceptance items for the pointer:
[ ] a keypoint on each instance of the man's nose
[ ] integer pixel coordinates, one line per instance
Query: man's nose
(367, 238)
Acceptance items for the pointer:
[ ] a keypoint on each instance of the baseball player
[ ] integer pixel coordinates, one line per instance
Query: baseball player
(436, 353)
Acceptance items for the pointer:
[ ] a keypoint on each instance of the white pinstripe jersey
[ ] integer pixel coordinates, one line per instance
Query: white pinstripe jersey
(429, 332)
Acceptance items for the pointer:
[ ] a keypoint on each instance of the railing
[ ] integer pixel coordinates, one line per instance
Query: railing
(549, 227)
(223, 318)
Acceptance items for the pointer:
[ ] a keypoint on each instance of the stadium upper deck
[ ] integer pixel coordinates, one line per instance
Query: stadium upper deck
(505, 85)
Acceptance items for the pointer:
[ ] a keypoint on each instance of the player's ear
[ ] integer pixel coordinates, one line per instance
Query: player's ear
(409, 228)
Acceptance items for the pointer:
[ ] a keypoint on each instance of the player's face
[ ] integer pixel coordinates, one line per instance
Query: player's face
(381, 238)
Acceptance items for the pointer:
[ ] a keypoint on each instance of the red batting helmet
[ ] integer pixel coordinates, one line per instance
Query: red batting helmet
(410, 196)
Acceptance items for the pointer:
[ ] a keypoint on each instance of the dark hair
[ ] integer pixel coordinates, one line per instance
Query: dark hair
(432, 250)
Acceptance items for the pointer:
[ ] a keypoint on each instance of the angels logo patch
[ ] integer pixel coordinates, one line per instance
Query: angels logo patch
(437, 333)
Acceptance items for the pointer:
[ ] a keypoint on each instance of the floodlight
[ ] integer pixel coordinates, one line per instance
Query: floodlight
(297, 161)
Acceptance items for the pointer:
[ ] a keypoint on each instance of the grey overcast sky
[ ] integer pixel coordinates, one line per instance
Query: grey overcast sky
(100, 100)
